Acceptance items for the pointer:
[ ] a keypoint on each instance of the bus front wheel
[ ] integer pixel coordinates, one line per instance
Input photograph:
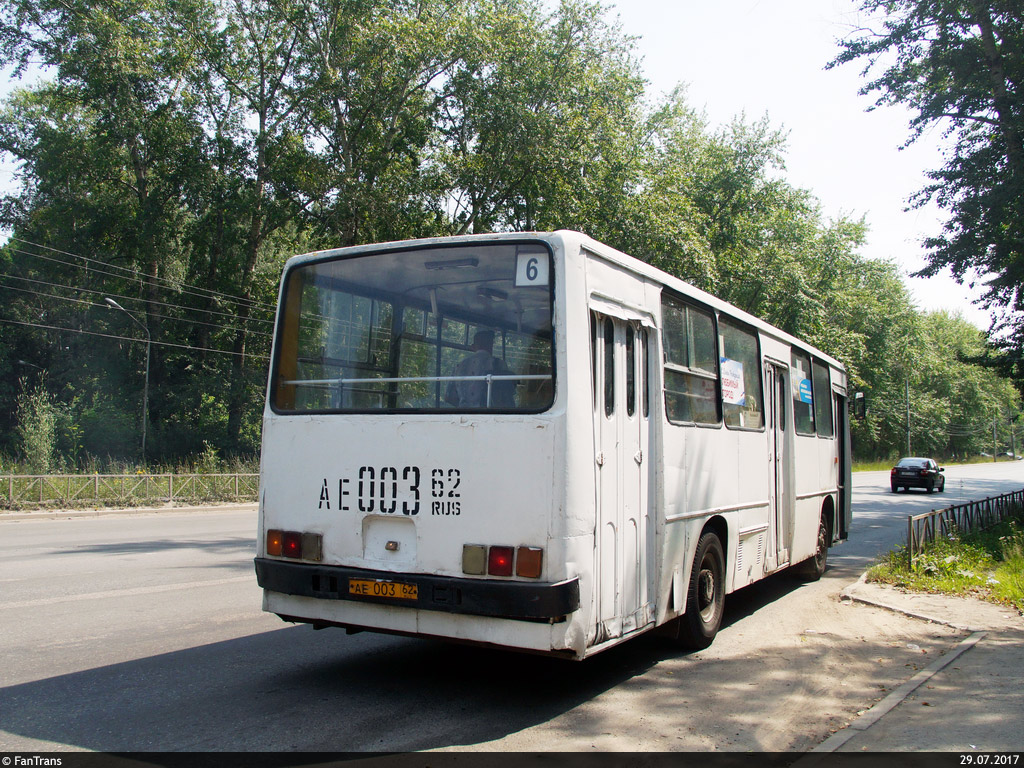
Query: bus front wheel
(705, 597)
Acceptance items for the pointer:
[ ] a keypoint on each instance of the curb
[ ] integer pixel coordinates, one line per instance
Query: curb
(848, 594)
(61, 514)
(899, 694)
(890, 702)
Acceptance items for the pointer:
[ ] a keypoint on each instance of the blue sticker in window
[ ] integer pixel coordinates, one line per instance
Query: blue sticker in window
(805, 391)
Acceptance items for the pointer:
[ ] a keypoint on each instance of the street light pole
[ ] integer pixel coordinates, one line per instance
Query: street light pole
(909, 453)
(145, 387)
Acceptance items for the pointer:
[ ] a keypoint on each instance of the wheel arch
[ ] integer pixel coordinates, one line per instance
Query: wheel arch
(677, 587)
(720, 527)
(828, 513)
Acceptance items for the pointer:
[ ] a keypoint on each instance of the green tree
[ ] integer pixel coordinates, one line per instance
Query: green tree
(140, 155)
(248, 104)
(959, 65)
(184, 148)
(111, 146)
(973, 397)
(366, 85)
(538, 117)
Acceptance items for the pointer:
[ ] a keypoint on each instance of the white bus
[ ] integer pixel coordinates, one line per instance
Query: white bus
(537, 442)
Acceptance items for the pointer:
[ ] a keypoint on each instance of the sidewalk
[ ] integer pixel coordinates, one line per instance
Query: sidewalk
(971, 699)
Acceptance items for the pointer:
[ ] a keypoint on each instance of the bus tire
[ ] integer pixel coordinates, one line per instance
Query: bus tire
(705, 597)
(813, 568)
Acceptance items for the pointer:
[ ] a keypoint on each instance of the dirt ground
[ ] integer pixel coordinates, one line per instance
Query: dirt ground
(795, 665)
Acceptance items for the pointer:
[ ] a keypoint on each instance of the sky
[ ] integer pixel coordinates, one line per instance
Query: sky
(768, 57)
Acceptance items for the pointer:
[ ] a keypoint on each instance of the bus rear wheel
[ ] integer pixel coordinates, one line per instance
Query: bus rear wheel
(813, 568)
(705, 597)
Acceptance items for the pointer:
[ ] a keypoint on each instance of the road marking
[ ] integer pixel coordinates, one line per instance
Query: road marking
(124, 592)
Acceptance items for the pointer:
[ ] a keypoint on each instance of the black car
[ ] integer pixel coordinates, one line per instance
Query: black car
(916, 472)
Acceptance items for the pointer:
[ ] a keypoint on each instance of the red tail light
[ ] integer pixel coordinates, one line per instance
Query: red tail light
(499, 561)
(292, 544)
(295, 544)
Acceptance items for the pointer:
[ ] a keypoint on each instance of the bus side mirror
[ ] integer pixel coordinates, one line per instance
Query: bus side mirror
(860, 406)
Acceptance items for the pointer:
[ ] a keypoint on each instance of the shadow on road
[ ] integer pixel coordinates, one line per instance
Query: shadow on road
(294, 689)
(349, 693)
(235, 695)
(226, 546)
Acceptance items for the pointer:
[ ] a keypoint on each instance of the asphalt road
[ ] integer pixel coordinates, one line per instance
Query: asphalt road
(880, 516)
(144, 633)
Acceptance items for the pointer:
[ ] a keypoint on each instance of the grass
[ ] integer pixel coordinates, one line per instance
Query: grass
(987, 564)
(207, 462)
(887, 464)
(873, 466)
(144, 485)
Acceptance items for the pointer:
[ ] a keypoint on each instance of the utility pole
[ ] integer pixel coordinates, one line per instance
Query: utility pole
(145, 387)
(995, 442)
(909, 452)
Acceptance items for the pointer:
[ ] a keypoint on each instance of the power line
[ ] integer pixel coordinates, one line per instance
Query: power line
(153, 281)
(163, 317)
(133, 299)
(135, 273)
(129, 338)
(146, 281)
(335, 322)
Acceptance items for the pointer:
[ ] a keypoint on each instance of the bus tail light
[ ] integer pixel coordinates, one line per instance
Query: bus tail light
(292, 544)
(528, 562)
(499, 561)
(295, 545)
(480, 560)
(275, 543)
(312, 547)
(474, 559)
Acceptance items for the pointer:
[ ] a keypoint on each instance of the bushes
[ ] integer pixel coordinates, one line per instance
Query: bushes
(42, 427)
(987, 564)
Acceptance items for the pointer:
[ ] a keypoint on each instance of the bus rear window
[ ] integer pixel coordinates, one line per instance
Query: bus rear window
(454, 329)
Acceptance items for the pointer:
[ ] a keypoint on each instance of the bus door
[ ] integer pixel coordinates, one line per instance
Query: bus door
(779, 513)
(621, 415)
(845, 477)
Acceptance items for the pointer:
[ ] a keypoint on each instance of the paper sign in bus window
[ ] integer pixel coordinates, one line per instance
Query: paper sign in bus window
(733, 389)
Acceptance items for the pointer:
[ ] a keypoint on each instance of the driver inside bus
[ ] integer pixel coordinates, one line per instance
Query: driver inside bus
(473, 394)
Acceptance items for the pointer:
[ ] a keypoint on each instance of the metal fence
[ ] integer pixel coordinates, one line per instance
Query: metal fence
(29, 491)
(963, 518)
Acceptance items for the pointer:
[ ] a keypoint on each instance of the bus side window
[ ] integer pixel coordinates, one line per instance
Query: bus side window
(741, 376)
(645, 379)
(630, 370)
(803, 393)
(691, 363)
(593, 358)
(822, 401)
(609, 367)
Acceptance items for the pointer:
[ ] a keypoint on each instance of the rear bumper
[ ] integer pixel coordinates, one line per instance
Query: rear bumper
(915, 482)
(475, 597)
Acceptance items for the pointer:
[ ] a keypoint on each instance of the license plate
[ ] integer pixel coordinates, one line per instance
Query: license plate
(394, 590)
